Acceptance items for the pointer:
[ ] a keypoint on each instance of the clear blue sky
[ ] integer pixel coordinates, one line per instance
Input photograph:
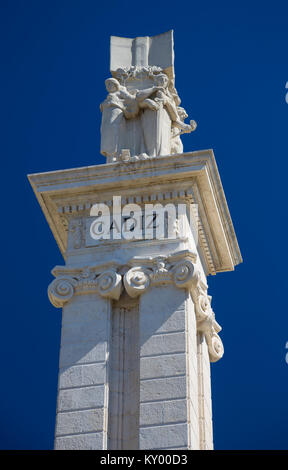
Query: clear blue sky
(231, 70)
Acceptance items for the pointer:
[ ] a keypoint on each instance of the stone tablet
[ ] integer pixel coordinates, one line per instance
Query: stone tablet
(143, 51)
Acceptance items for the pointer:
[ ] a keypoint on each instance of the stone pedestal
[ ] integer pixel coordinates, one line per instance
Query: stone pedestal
(138, 329)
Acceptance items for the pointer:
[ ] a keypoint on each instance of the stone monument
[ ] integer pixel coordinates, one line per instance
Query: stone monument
(139, 236)
(142, 112)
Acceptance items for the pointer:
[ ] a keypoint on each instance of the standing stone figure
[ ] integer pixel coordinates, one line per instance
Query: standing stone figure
(119, 106)
(113, 122)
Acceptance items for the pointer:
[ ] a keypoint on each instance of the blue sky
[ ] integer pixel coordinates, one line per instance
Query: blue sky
(231, 69)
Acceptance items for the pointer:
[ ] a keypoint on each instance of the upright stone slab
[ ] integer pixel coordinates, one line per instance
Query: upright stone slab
(139, 236)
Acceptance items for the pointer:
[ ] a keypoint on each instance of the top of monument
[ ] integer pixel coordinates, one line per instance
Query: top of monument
(143, 51)
(141, 115)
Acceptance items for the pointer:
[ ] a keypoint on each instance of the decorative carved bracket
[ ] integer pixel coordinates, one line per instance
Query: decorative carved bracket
(206, 322)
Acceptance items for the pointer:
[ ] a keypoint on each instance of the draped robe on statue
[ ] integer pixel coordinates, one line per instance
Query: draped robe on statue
(147, 133)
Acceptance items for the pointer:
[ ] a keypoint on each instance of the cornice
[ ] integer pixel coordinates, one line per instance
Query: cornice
(193, 177)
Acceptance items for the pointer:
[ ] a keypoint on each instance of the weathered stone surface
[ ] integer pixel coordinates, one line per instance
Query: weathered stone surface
(161, 389)
(160, 437)
(77, 422)
(164, 344)
(81, 375)
(163, 412)
(81, 398)
(82, 352)
(83, 441)
(154, 50)
(163, 366)
(169, 318)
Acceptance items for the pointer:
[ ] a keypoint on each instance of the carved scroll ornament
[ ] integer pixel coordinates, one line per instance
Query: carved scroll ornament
(178, 269)
(108, 284)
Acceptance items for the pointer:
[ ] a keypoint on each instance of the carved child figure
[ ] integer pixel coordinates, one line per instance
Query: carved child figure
(176, 143)
(132, 102)
(165, 96)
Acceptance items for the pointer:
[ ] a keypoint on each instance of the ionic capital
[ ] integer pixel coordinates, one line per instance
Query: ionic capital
(69, 282)
(178, 269)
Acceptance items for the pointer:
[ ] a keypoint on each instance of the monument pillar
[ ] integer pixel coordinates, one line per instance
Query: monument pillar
(139, 236)
(83, 389)
(178, 339)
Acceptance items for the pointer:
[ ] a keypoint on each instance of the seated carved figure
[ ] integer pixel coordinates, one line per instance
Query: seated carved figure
(132, 102)
(121, 104)
(126, 125)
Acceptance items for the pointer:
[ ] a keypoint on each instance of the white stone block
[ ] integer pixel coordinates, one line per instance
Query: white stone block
(87, 332)
(162, 389)
(77, 422)
(85, 320)
(91, 441)
(163, 366)
(79, 398)
(86, 308)
(162, 310)
(82, 352)
(77, 376)
(164, 436)
(164, 344)
(163, 412)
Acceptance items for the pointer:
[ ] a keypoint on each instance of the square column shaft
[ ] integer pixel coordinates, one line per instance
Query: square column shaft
(169, 412)
(83, 374)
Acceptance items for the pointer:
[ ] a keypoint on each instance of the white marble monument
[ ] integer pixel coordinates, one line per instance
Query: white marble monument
(138, 329)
